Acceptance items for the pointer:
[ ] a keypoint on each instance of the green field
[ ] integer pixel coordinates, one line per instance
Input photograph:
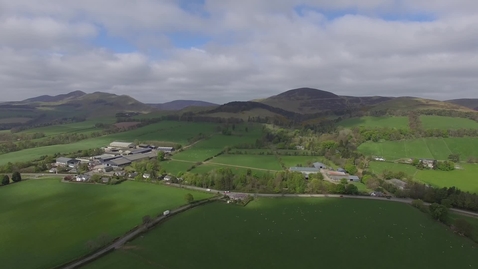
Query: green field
(434, 148)
(268, 162)
(445, 123)
(376, 122)
(297, 233)
(214, 145)
(52, 221)
(174, 167)
(83, 127)
(378, 168)
(208, 167)
(290, 161)
(464, 179)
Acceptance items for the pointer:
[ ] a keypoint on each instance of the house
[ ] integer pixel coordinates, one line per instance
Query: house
(118, 162)
(237, 196)
(63, 161)
(319, 165)
(400, 184)
(354, 178)
(121, 145)
(306, 171)
(377, 194)
(165, 149)
(428, 163)
(82, 178)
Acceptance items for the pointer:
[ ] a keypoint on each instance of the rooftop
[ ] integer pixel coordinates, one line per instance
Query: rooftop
(304, 169)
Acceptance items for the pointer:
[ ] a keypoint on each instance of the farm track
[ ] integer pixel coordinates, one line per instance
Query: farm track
(397, 200)
(118, 244)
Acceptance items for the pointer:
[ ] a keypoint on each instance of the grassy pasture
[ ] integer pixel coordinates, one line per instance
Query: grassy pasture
(52, 221)
(297, 233)
(208, 167)
(435, 148)
(379, 167)
(375, 122)
(174, 167)
(214, 145)
(464, 179)
(290, 161)
(439, 122)
(268, 162)
(87, 126)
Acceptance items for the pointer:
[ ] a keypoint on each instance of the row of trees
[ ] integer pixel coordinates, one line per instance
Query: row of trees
(16, 177)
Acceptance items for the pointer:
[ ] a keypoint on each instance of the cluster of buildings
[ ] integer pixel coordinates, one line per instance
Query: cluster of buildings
(328, 172)
(116, 156)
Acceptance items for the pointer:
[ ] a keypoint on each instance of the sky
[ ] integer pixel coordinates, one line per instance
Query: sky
(228, 50)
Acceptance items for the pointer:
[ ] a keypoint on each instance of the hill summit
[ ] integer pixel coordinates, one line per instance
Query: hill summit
(301, 93)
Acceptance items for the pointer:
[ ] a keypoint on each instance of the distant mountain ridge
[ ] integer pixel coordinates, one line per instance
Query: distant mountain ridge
(56, 98)
(182, 104)
(467, 102)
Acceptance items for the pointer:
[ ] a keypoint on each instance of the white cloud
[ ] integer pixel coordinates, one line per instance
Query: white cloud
(256, 48)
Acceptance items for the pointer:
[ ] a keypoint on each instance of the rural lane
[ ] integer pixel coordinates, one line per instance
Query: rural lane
(131, 235)
(398, 200)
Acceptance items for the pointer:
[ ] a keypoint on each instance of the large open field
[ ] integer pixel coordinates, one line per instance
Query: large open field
(50, 222)
(375, 122)
(378, 168)
(87, 126)
(266, 162)
(297, 233)
(439, 122)
(464, 179)
(214, 145)
(174, 167)
(435, 148)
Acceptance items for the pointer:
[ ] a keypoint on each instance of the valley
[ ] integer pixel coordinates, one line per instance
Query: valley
(126, 160)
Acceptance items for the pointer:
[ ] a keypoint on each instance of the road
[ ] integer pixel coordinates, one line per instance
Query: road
(397, 200)
(131, 235)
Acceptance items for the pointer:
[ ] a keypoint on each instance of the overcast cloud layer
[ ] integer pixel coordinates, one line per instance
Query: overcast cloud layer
(224, 50)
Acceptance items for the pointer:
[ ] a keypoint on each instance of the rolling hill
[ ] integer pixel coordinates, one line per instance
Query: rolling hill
(413, 103)
(182, 104)
(467, 102)
(310, 101)
(55, 98)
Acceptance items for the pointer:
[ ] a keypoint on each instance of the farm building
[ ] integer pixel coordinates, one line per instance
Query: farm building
(354, 178)
(428, 163)
(337, 176)
(118, 162)
(237, 196)
(144, 146)
(340, 169)
(63, 161)
(398, 183)
(319, 165)
(138, 157)
(106, 157)
(165, 149)
(141, 150)
(122, 145)
(306, 171)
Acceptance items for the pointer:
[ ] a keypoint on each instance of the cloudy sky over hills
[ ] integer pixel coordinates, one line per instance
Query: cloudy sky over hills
(223, 50)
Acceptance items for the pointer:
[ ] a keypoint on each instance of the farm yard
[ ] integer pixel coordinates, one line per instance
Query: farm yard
(271, 231)
(433, 148)
(67, 215)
